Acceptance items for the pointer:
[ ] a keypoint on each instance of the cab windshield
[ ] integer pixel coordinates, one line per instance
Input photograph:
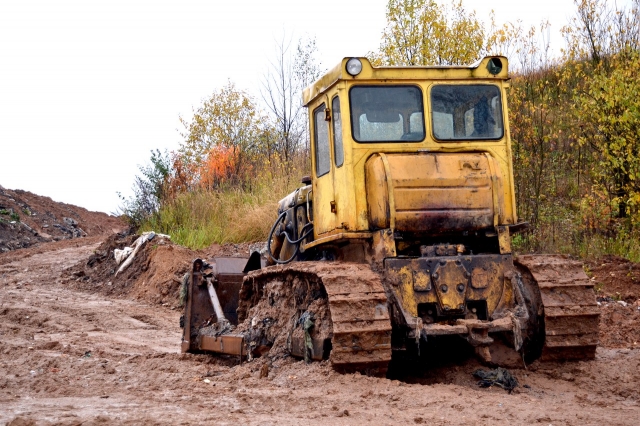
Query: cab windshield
(387, 113)
(466, 112)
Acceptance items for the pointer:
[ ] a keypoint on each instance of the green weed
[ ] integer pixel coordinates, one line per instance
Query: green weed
(233, 215)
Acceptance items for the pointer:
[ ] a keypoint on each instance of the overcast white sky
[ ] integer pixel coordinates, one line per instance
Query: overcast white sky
(89, 88)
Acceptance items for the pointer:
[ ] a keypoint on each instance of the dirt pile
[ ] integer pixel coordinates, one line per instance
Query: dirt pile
(155, 274)
(27, 219)
(615, 277)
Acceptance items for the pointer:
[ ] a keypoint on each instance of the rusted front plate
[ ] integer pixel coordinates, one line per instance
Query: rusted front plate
(451, 281)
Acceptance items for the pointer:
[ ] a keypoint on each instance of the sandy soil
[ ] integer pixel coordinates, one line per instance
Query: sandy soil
(78, 346)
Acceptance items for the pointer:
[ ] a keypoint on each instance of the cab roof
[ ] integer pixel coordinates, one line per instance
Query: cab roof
(490, 67)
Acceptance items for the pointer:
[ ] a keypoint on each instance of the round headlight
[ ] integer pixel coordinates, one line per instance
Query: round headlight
(494, 66)
(354, 66)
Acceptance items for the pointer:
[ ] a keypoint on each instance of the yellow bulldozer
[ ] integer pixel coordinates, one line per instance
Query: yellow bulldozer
(400, 235)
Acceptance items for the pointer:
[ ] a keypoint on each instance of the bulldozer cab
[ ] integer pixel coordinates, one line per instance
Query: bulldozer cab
(382, 145)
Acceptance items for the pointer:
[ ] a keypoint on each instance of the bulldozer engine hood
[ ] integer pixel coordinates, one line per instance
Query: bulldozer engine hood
(433, 192)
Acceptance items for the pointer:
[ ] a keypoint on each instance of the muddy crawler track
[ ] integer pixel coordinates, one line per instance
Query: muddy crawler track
(358, 323)
(571, 314)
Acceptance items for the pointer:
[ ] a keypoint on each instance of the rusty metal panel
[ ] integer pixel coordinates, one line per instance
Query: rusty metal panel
(421, 279)
(198, 308)
(227, 275)
(228, 283)
(433, 192)
(450, 280)
(319, 350)
(481, 276)
(228, 344)
(230, 265)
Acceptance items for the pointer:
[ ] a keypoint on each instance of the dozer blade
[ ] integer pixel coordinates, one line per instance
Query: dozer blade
(212, 301)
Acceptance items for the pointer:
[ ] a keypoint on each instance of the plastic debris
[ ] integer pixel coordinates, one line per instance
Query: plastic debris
(121, 255)
(498, 377)
(146, 236)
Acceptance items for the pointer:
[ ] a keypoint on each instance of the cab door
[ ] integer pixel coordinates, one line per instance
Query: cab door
(324, 203)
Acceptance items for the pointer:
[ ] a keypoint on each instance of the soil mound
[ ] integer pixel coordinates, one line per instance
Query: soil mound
(615, 277)
(27, 219)
(155, 274)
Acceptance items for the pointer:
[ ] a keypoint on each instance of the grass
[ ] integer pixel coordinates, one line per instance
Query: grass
(624, 244)
(233, 215)
(566, 236)
(12, 215)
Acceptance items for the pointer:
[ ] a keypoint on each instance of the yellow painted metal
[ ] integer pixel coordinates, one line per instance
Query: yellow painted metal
(351, 186)
(504, 240)
(428, 187)
(369, 72)
(378, 186)
(450, 282)
(412, 192)
(384, 245)
(339, 236)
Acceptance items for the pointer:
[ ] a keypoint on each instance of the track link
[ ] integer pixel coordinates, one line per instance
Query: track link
(358, 326)
(571, 314)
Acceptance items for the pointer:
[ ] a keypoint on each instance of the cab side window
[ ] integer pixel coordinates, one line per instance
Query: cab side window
(321, 140)
(337, 131)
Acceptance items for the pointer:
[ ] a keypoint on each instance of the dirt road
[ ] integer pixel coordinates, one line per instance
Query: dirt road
(71, 356)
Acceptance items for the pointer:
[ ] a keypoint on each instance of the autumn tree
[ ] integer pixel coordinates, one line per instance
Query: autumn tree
(603, 42)
(608, 109)
(421, 32)
(228, 128)
(600, 30)
(545, 172)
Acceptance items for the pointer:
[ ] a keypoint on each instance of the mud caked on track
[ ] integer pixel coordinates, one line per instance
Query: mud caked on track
(344, 303)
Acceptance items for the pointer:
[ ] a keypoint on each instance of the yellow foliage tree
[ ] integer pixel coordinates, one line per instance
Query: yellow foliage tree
(609, 112)
(421, 32)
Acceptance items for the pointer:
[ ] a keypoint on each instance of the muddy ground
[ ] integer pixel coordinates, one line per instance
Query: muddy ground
(81, 346)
